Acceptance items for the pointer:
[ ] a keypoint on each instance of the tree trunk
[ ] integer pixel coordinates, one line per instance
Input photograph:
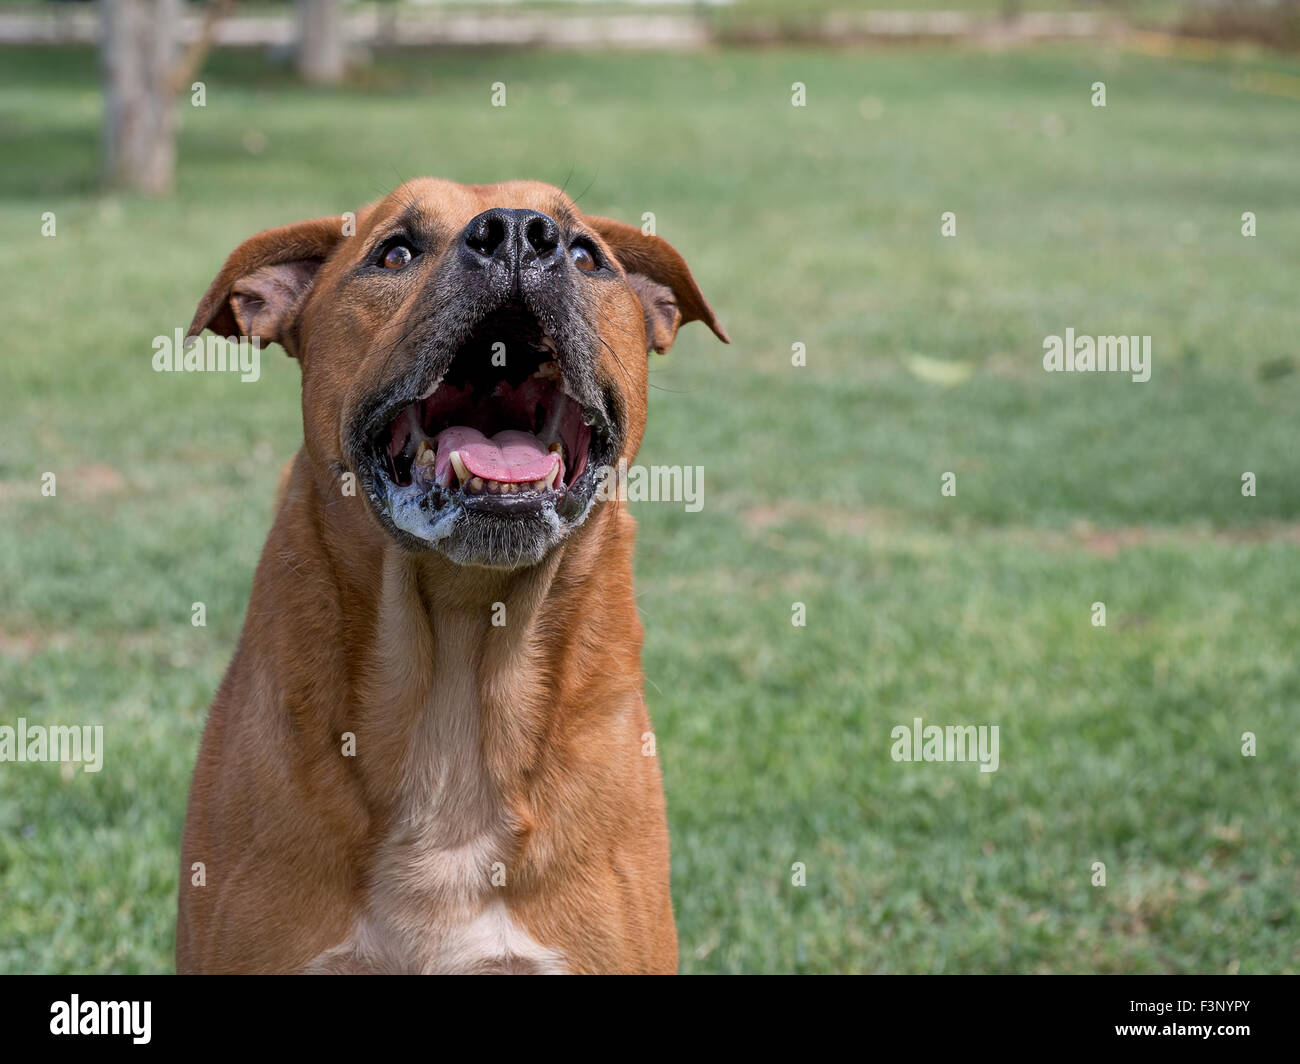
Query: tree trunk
(320, 41)
(139, 58)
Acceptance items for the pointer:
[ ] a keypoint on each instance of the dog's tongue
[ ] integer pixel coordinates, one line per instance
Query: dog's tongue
(510, 457)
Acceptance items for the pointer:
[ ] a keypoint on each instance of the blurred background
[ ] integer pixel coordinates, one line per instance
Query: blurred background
(801, 156)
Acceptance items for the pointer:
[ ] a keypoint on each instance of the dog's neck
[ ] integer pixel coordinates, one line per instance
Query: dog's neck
(447, 674)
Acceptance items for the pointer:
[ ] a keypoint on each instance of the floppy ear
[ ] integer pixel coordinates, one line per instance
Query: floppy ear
(661, 280)
(263, 283)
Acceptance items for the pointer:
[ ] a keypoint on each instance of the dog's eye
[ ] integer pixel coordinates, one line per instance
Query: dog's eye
(582, 258)
(397, 256)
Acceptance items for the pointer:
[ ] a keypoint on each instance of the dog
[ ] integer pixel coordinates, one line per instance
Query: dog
(431, 752)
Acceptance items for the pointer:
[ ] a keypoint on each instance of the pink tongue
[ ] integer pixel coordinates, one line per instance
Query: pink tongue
(510, 457)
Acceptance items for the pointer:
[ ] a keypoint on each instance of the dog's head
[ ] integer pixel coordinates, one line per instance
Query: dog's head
(476, 355)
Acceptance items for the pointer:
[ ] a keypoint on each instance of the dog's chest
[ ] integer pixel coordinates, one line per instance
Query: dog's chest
(435, 901)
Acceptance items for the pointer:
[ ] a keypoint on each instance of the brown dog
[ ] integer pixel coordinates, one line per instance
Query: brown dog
(429, 752)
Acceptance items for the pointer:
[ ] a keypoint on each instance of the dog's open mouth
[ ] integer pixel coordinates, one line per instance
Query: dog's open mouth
(498, 423)
(501, 433)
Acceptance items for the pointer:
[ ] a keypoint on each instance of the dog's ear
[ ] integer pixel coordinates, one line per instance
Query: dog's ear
(262, 285)
(661, 280)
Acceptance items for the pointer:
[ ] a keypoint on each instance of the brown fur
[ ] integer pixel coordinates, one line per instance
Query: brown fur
(475, 744)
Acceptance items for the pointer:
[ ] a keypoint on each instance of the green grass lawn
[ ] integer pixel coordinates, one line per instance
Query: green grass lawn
(818, 226)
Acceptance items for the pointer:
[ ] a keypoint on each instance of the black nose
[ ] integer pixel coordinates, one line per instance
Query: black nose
(518, 239)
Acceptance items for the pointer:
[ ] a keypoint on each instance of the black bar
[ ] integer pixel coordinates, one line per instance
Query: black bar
(876, 1014)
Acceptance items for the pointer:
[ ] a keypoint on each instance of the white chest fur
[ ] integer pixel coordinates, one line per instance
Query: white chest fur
(435, 902)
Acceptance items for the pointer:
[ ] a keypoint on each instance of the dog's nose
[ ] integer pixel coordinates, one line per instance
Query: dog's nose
(514, 238)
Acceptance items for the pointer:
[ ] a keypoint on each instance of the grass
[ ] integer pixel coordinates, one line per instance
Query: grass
(818, 226)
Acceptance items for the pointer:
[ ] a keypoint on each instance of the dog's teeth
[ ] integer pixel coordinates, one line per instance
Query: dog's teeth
(550, 477)
(538, 485)
(475, 484)
(458, 464)
(493, 487)
(556, 448)
(427, 392)
(425, 455)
